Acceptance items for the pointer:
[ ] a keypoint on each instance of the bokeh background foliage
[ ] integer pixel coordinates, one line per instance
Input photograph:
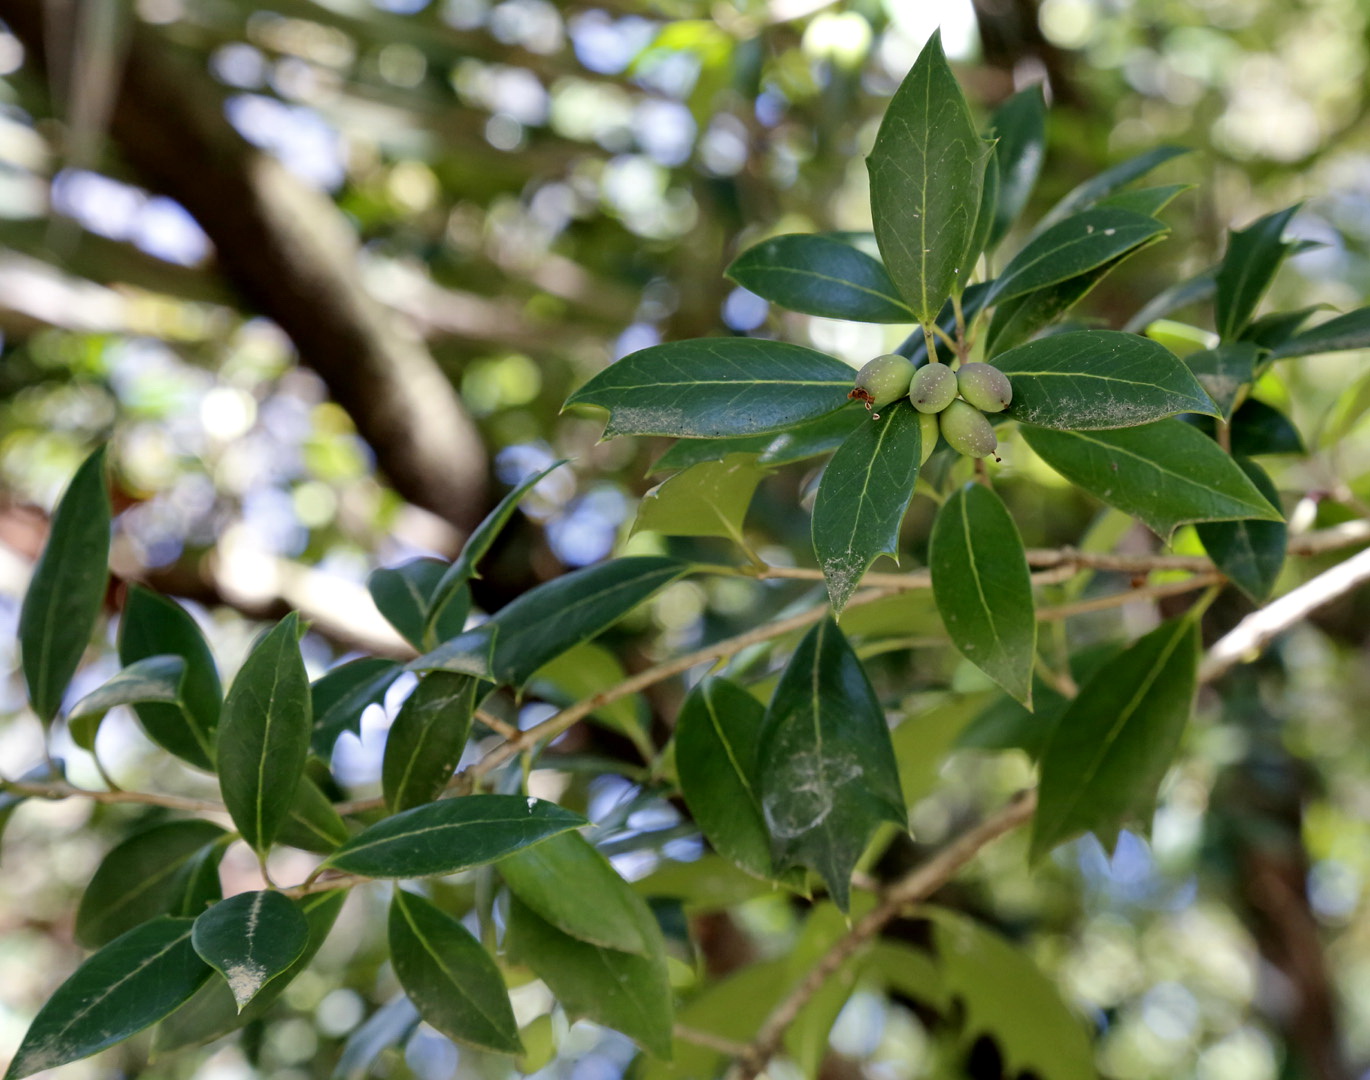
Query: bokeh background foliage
(326, 272)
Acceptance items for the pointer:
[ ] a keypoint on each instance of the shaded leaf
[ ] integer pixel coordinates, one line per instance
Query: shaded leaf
(717, 734)
(583, 671)
(340, 696)
(1092, 379)
(567, 882)
(449, 977)
(1007, 997)
(427, 738)
(1180, 295)
(313, 824)
(817, 437)
(926, 170)
(212, 1012)
(1165, 473)
(1250, 553)
(140, 879)
(627, 993)
(827, 774)
(989, 205)
(1253, 255)
(1076, 245)
(250, 939)
(1349, 331)
(388, 1026)
(153, 625)
(156, 679)
(1273, 330)
(198, 882)
(40, 774)
(470, 653)
(1107, 756)
(1258, 428)
(1223, 371)
(711, 387)
(131, 983)
(1019, 126)
(1004, 724)
(446, 836)
(403, 594)
(1150, 201)
(1106, 183)
(67, 589)
(820, 275)
(560, 614)
(983, 589)
(264, 737)
(862, 497)
(708, 499)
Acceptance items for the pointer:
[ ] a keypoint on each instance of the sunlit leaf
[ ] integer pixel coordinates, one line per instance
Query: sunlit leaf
(709, 499)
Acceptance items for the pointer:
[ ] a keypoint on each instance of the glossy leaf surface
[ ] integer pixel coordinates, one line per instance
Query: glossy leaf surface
(313, 824)
(1349, 331)
(131, 983)
(1166, 473)
(827, 774)
(156, 679)
(1253, 255)
(67, 588)
(925, 176)
(340, 696)
(712, 387)
(1250, 553)
(426, 740)
(820, 275)
(250, 939)
(862, 498)
(1092, 379)
(553, 617)
(264, 737)
(404, 595)
(1109, 752)
(446, 836)
(449, 977)
(983, 590)
(153, 625)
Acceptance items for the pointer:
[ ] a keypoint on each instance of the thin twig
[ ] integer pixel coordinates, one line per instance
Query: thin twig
(709, 1041)
(61, 790)
(495, 724)
(917, 885)
(1111, 600)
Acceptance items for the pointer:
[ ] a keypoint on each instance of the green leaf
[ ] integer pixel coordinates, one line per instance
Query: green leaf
(862, 497)
(827, 775)
(1253, 255)
(806, 1041)
(1150, 201)
(403, 595)
(1180, 295)
(264, 737)
(140, 879)
(1080, 243)
(926, 170)
(1224, 371)
(717, 734)
(156, 679)
(1019, 126)
(67, 588)
(470, 653)
(451, 980)
(1250, 553)
(989, 206)
(1107, 756)
(819, 275)
(686, 453)
(708, 499)
(628, 993)
(582, 672)
(250, 939)
(983, 589)
(1005, 724)
(212, 1013)
(198, 880)
(427, 738)
(548, 620)
(313, 823)
(814, 439)
(340, 696)
(451, 835)
(1166, 473)
(1271, 331)
(1091, 379)
(711, 387)
(1006, 996)
(153, 625)
(576, 889)
(1258, 428)
(1349, 331)
(131, 983)
(444, 600)
(1106, 183)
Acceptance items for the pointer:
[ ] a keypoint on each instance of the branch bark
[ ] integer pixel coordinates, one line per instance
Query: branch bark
(287, 249)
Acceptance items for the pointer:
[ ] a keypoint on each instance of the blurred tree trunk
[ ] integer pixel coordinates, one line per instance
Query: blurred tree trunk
(288, 250)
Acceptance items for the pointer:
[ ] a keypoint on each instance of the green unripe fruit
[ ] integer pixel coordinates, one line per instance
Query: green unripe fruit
(984, 386)
(966, 430)
(927, 428)
(882, 380)
(933, 389)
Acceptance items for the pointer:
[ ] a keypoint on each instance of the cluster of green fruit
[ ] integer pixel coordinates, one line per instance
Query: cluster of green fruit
(950, 401)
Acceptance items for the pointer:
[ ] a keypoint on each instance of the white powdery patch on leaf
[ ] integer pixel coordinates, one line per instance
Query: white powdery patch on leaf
(245, 981)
